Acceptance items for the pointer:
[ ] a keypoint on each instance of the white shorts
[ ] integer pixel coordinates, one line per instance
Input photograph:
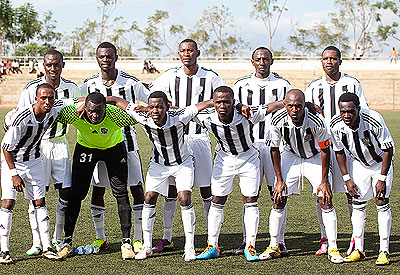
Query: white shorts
(226, 166)
(267, 168)
(366, 178)
(338, 184)
(201, 148)
(294, 168)
(135, 174)
(31, 172)
(157, 178)
(56, 161)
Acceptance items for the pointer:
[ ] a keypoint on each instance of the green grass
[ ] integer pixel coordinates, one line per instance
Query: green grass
(302, 235)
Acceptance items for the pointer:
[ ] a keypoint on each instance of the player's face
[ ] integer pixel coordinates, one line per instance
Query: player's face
(45, 99)
(188, 53)
(262, 61)
(106, 59)
(295, 108)
(330, 62)
(95, 112)
(158, 110)
(53, 66)
(349, 113)
(223, 103)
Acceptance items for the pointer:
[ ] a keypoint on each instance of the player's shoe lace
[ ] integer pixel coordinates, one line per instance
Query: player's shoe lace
(355, 256)
(251, 254)
(209, 253)
(270, 253)
(334, 256)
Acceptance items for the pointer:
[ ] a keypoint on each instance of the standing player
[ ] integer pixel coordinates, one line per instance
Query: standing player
(99, 139)
(22, 166)
(185, 85)
(262, 87)
(325, 92)
(368, 172)
(54, 146)
(113, 82)
(306, 153)
(171, 158)
(234, 155)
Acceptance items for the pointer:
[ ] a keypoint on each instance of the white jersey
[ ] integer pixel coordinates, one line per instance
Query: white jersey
(184, 90)
(304, 141)
(125, 86)
(24, 134)
(236, 137)
(66, 89)
(251, 90)
(168, 143)
(327, 95)
(367, 142)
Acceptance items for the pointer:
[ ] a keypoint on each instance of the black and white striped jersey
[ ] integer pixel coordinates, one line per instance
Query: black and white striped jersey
(25, 133)
(167, 141)
(366, 144)
(327, 95)
(184, 90)
(236, 137)
(250, 90)
(304, 141)
(66, 89)
(125, 86)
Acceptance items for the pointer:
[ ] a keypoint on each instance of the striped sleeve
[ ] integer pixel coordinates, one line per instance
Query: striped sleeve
(336, 140)
(11, 138)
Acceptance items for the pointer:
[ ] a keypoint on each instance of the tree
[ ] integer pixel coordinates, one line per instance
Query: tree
(6, 19)
(106, 7)
(270, 13)
(82, 37)
(302, 40)
(48, 35)
(390, 30)
(124, 36)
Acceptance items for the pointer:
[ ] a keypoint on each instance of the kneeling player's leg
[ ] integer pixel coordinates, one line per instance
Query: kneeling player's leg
(330, 222)
(188, 218)
(358, 221)
(34, 227)
(216, 218)
(149, 216)
(251, 219)
(276, 219)
(42, 216)
(384, 223)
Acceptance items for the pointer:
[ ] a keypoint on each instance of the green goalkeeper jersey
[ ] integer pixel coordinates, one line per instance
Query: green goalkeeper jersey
(104, 135)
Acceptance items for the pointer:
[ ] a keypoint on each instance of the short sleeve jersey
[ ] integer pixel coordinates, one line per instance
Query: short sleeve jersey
(304, 141)
(184, 90)
(367, 142)
(327, 95)
(66, 89)
(103, 135)
(169, 147)
(250, 90)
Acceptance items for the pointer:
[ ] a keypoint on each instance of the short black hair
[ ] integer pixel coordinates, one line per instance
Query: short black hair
(95, 98)
(224, 89)
(261, 48)
(106, 45)
(333, 48)
(188, 40)
(159, 94)
(350, 97)
(54, 52)
(45, 86)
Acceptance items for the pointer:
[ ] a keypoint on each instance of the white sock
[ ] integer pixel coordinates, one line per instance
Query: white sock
(34, 225)
(98, 220)
(251, 219)
(206, 206)
(5, 228)
(275, 223)
(215, 218)
(319, 217)
(330, 221)
(189, 221)
(358, 221)
(148, 217)
(384, 224)
(281, 236)
(169, 209)
(243, 223)
(137, 221)
(43, 219)
(60, 219)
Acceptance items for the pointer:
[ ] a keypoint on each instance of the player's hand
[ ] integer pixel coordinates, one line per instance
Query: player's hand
(352, 189)
(380, 189)
(140, 108)
(81, 111)
(246, 111)
(280, 186)
(325, 189)
(18, 183)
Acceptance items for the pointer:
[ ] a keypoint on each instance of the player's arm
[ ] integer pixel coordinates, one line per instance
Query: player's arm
(274, 106)
(117, 101)
(280, 189)
(325, 187)
(204, 105)
(18, 183)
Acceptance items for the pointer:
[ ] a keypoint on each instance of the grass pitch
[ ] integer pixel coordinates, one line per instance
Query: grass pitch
(302, 235)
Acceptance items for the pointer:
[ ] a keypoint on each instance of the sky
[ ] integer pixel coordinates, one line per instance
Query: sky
(72, 13)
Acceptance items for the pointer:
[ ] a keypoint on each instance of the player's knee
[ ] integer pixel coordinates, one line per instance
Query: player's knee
(205, 192)
(151, 198)
(8, 204)
(219, 200)
(137, 193)
(381, 201)
(324, 205)
(64, 193)
(185, 198)
(280, 204)
(39, 202)
(249, 199)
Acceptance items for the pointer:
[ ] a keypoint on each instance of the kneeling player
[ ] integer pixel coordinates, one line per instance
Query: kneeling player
(368, 173)
(303, 132)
